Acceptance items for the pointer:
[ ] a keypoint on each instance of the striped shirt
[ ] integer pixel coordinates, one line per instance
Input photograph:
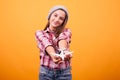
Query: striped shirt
(45, 38)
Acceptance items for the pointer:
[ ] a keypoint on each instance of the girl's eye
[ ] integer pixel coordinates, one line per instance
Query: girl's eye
(61, 18)
(55, 15)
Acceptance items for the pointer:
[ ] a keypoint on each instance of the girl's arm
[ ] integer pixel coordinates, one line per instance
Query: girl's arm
(50, 50)
(64, 42)
(46, 45)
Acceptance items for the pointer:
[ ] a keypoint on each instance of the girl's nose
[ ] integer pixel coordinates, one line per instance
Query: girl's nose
(57, 19)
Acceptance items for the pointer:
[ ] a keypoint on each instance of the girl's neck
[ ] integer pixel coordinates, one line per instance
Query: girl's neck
(52, 28)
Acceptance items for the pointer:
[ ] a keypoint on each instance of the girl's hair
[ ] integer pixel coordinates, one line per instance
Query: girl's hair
(60, 28)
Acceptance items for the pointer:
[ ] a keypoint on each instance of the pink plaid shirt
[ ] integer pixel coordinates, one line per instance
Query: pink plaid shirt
(46, 38)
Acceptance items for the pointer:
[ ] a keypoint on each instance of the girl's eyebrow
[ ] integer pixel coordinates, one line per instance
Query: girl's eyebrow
(60, 16)
(55, 14)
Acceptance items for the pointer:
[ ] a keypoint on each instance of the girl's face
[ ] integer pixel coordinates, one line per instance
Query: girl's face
(57, 18)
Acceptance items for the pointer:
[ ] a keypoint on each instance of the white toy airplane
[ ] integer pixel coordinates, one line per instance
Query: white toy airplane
(62, 55)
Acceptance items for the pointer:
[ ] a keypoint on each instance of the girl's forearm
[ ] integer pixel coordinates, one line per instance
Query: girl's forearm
(50, 50)
(62, 44)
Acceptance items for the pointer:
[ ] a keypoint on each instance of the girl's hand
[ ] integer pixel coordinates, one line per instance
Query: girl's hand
(68, 55)
(56, 58)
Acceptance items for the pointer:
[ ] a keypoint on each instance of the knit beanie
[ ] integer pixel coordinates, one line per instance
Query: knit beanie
(57, 8)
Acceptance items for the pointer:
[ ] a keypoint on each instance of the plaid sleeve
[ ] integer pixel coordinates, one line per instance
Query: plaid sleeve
(66, 35)
(42, 39)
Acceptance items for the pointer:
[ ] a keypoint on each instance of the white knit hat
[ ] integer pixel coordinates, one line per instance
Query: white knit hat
(57, 8)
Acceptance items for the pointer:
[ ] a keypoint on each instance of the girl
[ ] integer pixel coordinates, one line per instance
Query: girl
(54, 42)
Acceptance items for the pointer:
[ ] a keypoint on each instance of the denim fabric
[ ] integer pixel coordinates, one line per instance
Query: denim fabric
(55, 74)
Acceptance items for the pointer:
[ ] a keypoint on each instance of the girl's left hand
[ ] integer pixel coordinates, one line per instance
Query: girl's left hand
(68, 55)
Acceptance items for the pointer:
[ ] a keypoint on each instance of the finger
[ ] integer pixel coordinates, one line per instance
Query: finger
(68, 57)
(56, 61)
(60, 62)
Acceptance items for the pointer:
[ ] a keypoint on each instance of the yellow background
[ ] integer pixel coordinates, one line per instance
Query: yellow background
(95, 26)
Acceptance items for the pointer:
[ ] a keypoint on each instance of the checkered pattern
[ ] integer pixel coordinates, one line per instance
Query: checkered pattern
(46, 38)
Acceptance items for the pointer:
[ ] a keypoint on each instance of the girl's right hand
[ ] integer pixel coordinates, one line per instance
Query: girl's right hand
(56, 58)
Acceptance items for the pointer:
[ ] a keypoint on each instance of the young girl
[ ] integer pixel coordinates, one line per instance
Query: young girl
(54, 42)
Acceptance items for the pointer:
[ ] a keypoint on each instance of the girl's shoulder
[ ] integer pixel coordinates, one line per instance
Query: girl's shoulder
(39, 32)
(67, 30)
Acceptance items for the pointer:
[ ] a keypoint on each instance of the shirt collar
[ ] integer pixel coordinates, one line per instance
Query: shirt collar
(48, 30)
